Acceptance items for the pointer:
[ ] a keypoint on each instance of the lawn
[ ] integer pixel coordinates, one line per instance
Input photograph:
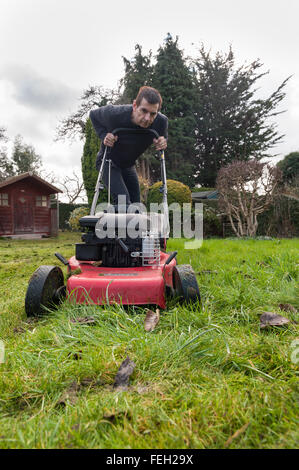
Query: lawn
(206, 377)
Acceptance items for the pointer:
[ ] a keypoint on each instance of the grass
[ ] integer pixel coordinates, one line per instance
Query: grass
(206, 377)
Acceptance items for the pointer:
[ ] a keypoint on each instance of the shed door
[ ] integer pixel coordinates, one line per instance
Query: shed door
(23, 213)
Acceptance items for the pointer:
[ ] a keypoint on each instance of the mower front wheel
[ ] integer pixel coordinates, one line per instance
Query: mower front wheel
(46, 289)
(185, 283)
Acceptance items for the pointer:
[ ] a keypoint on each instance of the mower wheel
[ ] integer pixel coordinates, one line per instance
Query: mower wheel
(46, 289)
(185, 283)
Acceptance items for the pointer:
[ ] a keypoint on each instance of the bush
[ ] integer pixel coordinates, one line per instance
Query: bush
(212, 225)
(65, 210)
(177, 192)
(76, 216)
(202, 189)
(281, 219)
(289, 166)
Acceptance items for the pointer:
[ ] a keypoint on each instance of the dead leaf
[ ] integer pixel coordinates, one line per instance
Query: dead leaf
(83, 320)
(18, 330)
(247, 276)
(76, 355)
(31, 320)
(114, 416)
(141, 389)
(69, 395)
(236, 434)
(91, 382)
(151, 320)
(97, 264)
(123, 374)
(110, 417)
(272, 319)
(87, 382)
(287, 308)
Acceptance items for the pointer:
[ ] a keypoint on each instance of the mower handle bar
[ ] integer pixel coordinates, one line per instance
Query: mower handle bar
(162, 160)
(135, 131)
(128, 130)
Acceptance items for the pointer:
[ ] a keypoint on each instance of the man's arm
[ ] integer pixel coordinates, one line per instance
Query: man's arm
(100, 119)
(161, 142)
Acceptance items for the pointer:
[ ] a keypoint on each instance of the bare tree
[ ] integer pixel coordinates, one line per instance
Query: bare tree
(74, 125)
(246, 189)
(3, 134)
(73, 187)
(6, 167)
(48, 176)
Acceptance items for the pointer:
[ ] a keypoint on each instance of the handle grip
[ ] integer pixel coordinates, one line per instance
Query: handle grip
(170, 258)
(128, 130)
(62, 259)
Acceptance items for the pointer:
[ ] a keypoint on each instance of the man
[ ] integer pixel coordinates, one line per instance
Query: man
(144, 113)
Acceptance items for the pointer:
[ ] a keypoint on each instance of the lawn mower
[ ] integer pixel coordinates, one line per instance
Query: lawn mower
(125, 268)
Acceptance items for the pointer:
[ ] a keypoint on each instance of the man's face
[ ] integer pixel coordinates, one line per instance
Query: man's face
(144, 114)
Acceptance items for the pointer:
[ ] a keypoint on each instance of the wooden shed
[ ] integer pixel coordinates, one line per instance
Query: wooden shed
(26, 210)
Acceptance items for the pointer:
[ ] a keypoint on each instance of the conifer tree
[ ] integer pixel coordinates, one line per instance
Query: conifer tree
(174, 80)
(289, 166)
(138, 72)
(231, 122)
(24, 157)
(88, 161)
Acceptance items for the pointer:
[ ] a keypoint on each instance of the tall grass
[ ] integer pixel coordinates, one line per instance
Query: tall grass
(205, 372)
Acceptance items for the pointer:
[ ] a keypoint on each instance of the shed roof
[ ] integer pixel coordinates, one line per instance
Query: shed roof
(205, 195)
(14, 179)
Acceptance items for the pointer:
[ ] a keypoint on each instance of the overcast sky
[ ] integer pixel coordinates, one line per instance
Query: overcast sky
(51, 50)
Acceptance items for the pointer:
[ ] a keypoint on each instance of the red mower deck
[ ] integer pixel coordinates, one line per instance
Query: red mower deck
(141, 286)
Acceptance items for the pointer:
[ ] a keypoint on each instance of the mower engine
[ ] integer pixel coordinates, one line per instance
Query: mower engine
(121, 240)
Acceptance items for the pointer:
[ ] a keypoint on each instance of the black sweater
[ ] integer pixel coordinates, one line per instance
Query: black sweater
(128, 147)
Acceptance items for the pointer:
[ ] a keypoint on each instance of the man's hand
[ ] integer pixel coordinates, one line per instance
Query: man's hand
(160, 143)
(110, 140)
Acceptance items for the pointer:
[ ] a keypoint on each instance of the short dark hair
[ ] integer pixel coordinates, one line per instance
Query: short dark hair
(151, 95)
